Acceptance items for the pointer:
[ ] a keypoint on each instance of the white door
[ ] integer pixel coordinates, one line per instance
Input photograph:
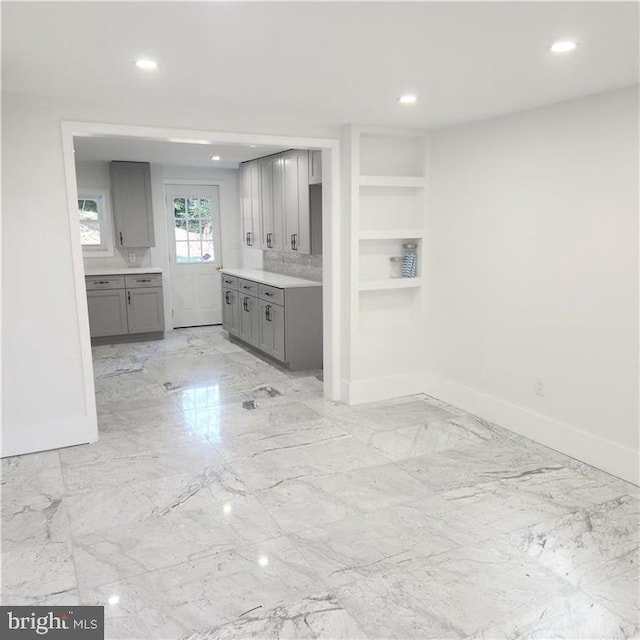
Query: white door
(194, 241)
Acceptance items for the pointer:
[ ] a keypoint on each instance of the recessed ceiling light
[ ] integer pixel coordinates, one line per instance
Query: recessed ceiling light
(188, 141)
(252, 146)
(408, 98)
(145, 63)
(216, 158)
(563, 46)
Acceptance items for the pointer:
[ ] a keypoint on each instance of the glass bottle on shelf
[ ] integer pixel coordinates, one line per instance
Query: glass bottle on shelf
(395, 266)
(409, 260)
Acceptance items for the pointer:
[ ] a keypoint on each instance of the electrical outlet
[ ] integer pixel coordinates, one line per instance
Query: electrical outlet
(538, 388)
(132, 258)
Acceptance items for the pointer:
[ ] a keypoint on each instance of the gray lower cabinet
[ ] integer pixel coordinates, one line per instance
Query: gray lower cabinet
(125, 305)
(145, 310)
(285, 324)
(107, 312)
(272, 329)
(249, 319)
(230, 311)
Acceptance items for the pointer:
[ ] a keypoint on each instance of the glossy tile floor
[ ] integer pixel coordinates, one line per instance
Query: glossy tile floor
(227, 499)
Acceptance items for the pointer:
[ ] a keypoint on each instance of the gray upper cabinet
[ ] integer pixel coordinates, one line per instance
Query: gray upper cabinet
(315, 167)
(271, 202)
(145, 310)
(132, 208)
(250, 202)
(277, 203)
(107, 312)
(296, 201)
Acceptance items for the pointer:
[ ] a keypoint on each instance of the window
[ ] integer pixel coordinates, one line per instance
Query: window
(95, 222)
(193, 225)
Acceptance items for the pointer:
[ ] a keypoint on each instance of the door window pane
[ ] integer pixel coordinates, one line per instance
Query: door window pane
(193, 229)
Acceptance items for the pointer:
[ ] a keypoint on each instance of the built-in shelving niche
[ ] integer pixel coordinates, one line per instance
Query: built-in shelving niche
(388, 170)
(390, 336)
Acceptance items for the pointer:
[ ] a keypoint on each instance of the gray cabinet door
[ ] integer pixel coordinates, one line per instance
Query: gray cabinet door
(246, 203)
(145, 310)
(315, 167)
(270, 192)
(132, 208)
(107, 312)
(272, 330)
(230, 310)
(296, 201)
(250, 202)
(249, 319)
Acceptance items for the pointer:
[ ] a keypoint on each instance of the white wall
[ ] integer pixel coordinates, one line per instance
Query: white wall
(44, 390)
(532, 272)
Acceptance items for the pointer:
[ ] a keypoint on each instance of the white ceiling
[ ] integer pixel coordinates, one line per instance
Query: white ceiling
(327, 63)
(171, 153)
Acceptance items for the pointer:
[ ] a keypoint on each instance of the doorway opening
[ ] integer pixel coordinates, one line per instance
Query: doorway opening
(188, 255)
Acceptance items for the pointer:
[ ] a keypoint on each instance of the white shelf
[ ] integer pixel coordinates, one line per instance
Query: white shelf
(391, 234)
(392, 181)
(390, 283)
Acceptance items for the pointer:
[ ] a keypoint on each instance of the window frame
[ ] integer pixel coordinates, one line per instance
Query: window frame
(105, 220)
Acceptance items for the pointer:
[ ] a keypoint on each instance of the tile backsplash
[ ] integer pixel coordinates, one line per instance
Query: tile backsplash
(293, 264)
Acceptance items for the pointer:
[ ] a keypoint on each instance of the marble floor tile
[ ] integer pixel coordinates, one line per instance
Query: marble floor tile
(38, 574)
(137, 500)
(381, 540)
(576, 617)
(138, 465)
(299, 619)
(595, 548)
(520, 500)
(337, 453)
(184, 599)
(226, 498)
(181, 535)
(309, 501)
(451, 595)
(440, 434)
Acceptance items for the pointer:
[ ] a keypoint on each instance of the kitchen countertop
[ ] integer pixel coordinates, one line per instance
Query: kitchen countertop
(117, 271)
(270, 278)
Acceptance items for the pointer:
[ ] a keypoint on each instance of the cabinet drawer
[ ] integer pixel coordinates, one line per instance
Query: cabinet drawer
(248, 286)
(95, 283)
(142, 280)
(273, 294)
(229, 282)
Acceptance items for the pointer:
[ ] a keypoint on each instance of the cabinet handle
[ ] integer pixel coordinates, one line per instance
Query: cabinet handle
(121, 238)
(267, 313)
(294, 241)
(269, 240)
(245, 304)
(226, 297)
(247, 238)
(129, 297)
(101, 282)
(268, 293)
(144, 280)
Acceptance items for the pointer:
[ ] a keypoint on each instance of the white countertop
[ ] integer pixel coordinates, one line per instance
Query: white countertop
(273, 279)
(117, 271)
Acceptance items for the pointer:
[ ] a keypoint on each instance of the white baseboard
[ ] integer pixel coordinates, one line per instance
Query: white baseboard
(383, 388)
(599, 452)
